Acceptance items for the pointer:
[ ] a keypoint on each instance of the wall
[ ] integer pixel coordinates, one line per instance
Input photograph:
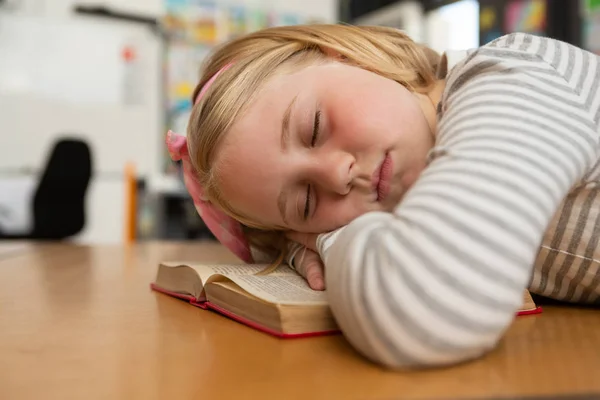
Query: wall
(454, 26)
(326, 9)
(47, 48)
(118, 132)
(62, 8)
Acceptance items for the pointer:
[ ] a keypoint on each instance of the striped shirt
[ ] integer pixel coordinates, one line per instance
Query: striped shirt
(515, 164)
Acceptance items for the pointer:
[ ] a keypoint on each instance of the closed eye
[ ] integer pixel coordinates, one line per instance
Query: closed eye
(313, 141)
(316, 125)
(307, 204)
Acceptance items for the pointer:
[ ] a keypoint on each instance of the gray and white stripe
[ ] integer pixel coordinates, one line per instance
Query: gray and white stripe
(515, 164)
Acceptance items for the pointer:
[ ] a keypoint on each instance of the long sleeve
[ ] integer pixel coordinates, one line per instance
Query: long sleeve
(439, 280)
(293, 250)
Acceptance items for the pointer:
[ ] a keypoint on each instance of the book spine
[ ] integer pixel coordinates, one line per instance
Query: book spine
(191, 299)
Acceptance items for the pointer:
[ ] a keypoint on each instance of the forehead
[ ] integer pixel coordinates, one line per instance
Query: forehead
(260, 121)
(250, 164)
(262, 117)
(275, 95)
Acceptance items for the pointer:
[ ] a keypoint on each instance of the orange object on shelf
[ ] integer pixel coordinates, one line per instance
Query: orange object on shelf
(130, 203)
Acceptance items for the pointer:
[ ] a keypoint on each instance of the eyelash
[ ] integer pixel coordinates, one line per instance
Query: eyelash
(313, 140)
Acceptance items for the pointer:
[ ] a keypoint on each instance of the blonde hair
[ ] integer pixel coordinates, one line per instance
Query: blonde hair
(256, 57)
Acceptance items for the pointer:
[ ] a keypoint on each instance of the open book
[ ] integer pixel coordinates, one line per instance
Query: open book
(280, 303)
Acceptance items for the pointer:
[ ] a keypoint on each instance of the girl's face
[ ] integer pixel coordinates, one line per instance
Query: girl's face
(323, 145)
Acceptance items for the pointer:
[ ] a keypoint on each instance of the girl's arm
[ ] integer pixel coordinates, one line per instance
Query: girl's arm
(440, 280)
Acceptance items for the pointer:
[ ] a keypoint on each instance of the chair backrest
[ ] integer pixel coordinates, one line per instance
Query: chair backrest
(59, 202)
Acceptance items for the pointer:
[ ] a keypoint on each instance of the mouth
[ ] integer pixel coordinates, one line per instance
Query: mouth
(382, 177)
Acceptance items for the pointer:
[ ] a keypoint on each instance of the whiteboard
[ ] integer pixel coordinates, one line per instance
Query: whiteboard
(68, 77)
(61, 60)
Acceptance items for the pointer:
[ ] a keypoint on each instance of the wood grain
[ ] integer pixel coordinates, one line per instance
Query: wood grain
(81, 323)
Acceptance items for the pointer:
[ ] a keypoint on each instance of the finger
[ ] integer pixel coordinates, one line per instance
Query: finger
(310, 266)
(315, 275)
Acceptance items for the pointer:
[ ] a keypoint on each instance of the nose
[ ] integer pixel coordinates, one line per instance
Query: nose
(334, 171)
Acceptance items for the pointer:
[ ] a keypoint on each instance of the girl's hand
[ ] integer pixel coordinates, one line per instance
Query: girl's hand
(309, 265)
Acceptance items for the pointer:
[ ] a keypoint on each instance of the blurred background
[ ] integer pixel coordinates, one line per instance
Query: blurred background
(89, 88)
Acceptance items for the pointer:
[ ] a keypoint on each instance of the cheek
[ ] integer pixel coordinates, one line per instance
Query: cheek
(337, 212)
(350, 122)
(240, 170)
(371, 117)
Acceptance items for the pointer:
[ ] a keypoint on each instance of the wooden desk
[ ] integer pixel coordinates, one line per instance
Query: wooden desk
(81, 323)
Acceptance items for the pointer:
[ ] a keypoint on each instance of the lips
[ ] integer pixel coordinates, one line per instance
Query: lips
(382, 177)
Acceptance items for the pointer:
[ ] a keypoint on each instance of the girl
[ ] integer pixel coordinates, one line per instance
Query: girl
(424, 184)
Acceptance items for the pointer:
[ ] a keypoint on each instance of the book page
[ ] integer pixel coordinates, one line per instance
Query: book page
(205, 271)
(250, 269)
(288, 289)
(528, 303)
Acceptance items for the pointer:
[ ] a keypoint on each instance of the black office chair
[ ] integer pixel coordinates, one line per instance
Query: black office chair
(59, 201)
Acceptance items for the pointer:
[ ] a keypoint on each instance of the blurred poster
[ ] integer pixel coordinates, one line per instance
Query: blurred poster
(500, 17)
(258, 19)
(490, 20)
(592, 5)
(174, 21)
(203, 17)
(193, 28)
(591, 26)
(183, 72)
(237, 21)
(191, 20)
(284, 19)
(527, 16)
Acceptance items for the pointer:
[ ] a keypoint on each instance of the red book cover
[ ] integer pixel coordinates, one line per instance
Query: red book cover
(206, 305)
(536, 310)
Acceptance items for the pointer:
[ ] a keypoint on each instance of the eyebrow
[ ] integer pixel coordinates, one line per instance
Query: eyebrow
(282, 205)
(285, 125)
(282, 199)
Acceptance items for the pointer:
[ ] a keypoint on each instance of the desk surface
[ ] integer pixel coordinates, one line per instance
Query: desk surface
(81, 323)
